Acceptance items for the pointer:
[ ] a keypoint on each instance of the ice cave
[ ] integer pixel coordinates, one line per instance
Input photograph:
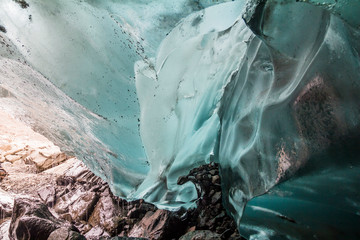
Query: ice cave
(144, 91)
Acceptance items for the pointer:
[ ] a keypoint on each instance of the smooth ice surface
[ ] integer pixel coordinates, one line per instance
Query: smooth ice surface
(144, 91)
(88, 50)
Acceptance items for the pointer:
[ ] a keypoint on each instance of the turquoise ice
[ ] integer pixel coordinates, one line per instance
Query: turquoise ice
(144, 91)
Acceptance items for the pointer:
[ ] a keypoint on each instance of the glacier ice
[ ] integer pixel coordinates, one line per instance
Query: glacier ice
(144, 91)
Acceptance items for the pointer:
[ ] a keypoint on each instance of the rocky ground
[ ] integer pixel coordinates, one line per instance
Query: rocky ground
(45, 194)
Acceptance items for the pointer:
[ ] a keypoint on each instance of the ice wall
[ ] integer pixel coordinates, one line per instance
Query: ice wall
(88, 49)
(144, 91)
(297, 119)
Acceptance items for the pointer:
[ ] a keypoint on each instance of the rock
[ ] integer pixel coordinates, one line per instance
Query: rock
(2, 29)
(36, 158)
(83, 227)
(44, 161)
(67, 217)
(216, 197)
(76, 170)
(96, 233)
(86, 201)
(3, 173)
(215, 179)
(4, 230)
(22, 3)
(90, 180)
(12, 158)
(65, 233)
(66, 198)
(59, 234)
(48, 195)
(201, 235)
(83, 206)
(75, 236)
(202, 219)
(140, 208)
(65, 180)
(31, 219)
(161, 224)
(6, 205)
(212, 172)
(107, 215)
(77, 202)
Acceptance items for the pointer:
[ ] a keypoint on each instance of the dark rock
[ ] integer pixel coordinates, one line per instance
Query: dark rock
(215, 179)
(3, 173)
(107, 215)
(89, 179)
(140, 208)
(202, 219)
(65, 180)
(83, 227)
(22, 3)
(48, 195)
(206, 184)
(65, 233)
(83, 206)
(209, 214)
(161, 224)
(96, 233)
(75, 236)
(210, 223)
(2, 29)
(95, 188)
(201, 235)
(31, 219)
(216, 198)
(78, 203)
(65, 199)
(221, 215)
(5, 212)
(86, 201)
(61, 192)
(67, 217)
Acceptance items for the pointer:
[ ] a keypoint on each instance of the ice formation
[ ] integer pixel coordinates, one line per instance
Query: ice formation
(144, 91)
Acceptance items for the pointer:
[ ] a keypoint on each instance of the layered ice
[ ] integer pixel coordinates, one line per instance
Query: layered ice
(144, 91)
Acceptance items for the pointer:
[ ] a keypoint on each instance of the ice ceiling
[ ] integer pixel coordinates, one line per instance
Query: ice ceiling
(144, 91)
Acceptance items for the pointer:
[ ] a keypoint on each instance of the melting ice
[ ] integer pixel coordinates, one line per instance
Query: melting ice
(144, 91)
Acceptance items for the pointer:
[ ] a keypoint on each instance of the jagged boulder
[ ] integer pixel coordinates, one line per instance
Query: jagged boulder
(107, 214)
(161, 224)
(48, 195)
(83, 206)
(79, 204)
(32, 220)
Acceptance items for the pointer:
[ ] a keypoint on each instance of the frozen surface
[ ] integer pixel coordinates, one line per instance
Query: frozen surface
(144, 91)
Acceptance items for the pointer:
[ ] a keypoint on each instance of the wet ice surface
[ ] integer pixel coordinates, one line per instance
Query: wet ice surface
(270, 97)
